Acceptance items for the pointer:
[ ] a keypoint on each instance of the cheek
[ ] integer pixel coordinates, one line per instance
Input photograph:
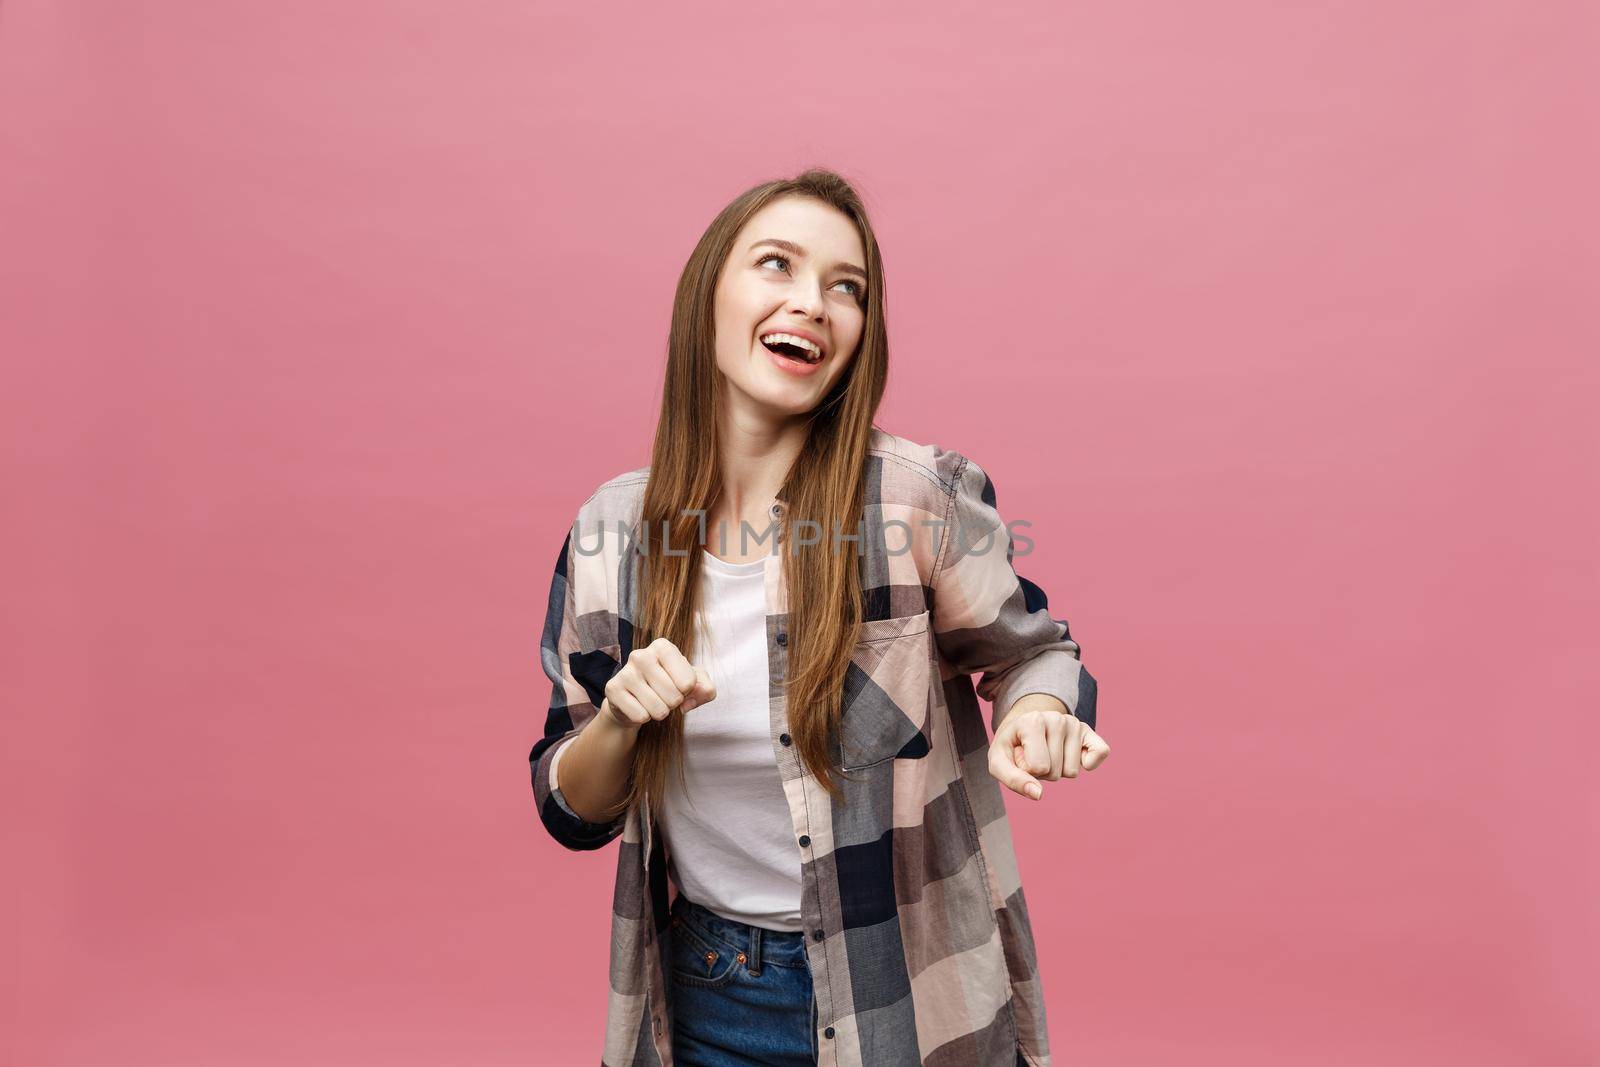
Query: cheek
(840, 368)
(730, 358)
(731, 309)
(853, 342)
(733, 326)
(741, 303)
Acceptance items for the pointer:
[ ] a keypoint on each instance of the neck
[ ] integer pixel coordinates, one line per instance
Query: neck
(756, 455)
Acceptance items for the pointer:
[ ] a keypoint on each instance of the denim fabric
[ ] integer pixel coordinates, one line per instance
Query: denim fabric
(728, 1013)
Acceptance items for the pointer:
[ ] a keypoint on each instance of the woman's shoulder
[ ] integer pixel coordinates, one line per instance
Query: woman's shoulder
(907, 468)
(617, 498)
(937, 466)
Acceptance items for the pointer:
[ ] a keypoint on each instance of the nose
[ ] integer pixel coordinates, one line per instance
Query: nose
(806, 298)
(807, 306)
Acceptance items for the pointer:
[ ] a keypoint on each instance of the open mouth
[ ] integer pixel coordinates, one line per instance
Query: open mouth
(792, 350)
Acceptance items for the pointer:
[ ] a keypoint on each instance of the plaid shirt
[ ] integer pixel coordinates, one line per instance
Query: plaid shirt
(921, 951)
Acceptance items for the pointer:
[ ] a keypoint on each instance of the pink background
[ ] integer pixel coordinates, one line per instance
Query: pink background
(1277, 321)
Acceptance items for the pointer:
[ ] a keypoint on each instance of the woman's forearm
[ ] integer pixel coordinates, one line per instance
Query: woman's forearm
(593, 771)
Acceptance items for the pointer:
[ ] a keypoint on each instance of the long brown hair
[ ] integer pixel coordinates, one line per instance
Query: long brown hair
(826, 484)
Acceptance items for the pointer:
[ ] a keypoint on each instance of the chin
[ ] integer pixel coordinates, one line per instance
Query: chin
(789, 406)
(784, 398)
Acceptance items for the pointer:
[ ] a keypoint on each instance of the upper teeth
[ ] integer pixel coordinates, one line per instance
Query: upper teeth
(801, 342)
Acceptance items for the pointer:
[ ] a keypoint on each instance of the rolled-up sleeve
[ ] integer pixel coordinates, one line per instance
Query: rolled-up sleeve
(573, 702)
(987, 619)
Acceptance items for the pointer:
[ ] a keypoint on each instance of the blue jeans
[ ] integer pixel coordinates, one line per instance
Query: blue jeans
(740, 994)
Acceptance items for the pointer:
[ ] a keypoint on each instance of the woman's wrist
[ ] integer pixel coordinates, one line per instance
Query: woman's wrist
(613, 728)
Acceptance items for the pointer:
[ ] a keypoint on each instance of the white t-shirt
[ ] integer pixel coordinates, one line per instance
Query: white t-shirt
(729, 834)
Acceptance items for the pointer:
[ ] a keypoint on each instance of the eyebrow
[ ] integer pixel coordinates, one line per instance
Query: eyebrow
(790, 246)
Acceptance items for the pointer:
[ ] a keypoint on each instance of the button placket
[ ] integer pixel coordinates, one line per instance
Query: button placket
(776, 511)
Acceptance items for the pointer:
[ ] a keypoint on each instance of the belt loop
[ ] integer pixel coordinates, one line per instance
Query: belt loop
(755, 951)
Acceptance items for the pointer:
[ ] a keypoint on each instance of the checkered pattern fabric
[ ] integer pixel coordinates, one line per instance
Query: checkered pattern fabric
(920, 946)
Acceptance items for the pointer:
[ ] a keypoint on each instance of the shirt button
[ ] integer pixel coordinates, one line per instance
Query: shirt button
(783, 638)
(784, 739)
(805, 839)
(816, 935)
(828, 1032)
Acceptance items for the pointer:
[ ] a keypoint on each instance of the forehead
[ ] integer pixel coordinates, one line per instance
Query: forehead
(824, 231)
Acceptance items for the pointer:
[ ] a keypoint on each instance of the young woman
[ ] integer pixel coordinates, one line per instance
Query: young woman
(761, 649)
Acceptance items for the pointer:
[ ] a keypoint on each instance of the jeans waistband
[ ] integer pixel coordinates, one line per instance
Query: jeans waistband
(783, 948)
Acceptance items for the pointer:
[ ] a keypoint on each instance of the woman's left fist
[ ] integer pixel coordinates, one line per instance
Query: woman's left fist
(1042, 744)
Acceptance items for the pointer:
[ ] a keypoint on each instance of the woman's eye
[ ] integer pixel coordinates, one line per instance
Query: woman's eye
(855, 287)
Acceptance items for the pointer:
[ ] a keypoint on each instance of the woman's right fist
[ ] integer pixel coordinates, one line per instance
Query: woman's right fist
(655, 680)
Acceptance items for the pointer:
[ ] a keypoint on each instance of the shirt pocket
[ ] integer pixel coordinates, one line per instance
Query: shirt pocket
(886, 693)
